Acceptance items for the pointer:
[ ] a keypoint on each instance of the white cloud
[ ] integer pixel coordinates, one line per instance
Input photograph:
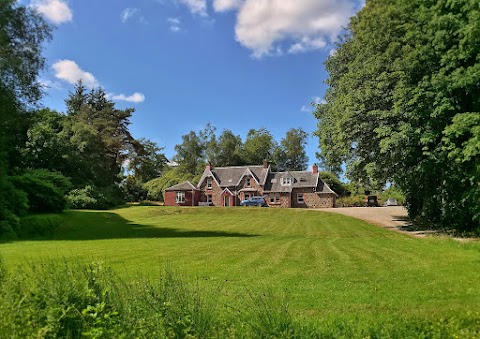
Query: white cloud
(175, 24)
(272, 27)
(198, 7)
(135, 97)
(226, 5)
(49, 84)
(128, 13)
(69, 71)
(57, 11)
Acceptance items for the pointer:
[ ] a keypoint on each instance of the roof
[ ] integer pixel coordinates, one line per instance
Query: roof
(301, 179)
(184, 186)
(230, 176)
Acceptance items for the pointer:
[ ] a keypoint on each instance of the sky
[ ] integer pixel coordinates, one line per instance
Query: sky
(237, 64)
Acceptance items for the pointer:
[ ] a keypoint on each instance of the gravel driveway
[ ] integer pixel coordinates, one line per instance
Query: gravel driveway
(393, 217)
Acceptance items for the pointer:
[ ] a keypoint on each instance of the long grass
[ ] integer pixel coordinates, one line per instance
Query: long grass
(328, 273)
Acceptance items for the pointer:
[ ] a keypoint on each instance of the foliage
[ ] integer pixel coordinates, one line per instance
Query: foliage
(146, 160)
(91, 197)
(259, 145)
(190, 154)
(156, 188)
(45, 190)
(333, 182)
(401, 106)
(351, 201)
(133, 189)
(291, 155)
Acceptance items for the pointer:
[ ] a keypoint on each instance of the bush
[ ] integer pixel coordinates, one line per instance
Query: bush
(38, 225)
(133, 190)
(45, 190)
(91, 197)
(351, 201)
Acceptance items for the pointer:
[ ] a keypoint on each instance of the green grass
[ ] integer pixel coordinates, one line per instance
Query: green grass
(327, 265)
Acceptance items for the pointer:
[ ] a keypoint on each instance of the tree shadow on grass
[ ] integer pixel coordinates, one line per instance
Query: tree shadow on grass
(88, 225)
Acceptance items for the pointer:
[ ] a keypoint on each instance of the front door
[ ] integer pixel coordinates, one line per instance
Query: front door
(226, 200)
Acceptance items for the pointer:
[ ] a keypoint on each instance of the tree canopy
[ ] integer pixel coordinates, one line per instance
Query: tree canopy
(403, 105)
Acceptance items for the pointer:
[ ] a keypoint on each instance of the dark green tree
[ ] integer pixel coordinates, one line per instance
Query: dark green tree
(229, 149)
(402, 105)
(146, 160)
(190, 154)
(291, 155)
(259, 145)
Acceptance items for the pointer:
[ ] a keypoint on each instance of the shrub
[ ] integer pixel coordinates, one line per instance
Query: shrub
(91, 197)
(133, 190)
(45, 190)
(38, 225)
(351, 201)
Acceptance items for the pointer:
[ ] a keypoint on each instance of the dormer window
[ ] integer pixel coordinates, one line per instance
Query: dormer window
(247, 182)
(209, 183)
(286, 181)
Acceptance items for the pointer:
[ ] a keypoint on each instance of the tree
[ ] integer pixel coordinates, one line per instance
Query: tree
(402, 102)
(101, 132)
(259, 145)
(190, 154)
(147, 160)
(229, 149)
(291, 155)
(22, 33)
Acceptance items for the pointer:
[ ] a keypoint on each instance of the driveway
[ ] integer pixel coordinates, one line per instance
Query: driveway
(393, 217)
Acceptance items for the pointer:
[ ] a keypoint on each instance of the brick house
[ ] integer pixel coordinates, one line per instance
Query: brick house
(227, 186)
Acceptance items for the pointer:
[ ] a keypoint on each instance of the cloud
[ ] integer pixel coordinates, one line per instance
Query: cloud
(135, 97)
(69, 71)
(57, 11)
(197, 7)
(310, 108)
(49, 84)
(175, 24)
(128, 13)
(273, 27)
(226, 5)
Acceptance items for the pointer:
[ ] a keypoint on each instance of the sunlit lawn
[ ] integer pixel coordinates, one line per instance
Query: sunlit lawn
(325, 263)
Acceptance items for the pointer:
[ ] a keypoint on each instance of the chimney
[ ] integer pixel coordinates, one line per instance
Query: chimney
(265, 163)
(315, 169)
(209, 166)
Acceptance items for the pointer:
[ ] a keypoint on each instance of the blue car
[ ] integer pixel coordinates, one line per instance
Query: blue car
(254, 201)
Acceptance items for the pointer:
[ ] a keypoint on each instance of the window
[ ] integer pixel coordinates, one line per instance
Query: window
(247, 182)
(300, 198)
(247, 196)
(274, 198)
(180, 197)
(209, 182)
(209, 198)
(286, 181)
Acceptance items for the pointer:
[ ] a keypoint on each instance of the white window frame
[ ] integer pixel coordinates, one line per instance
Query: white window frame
(300, 198)
(209, 198)
(180, 197)
(274, 198)
(287, 181)
(248, 181)
(247, 196)
(209, 182)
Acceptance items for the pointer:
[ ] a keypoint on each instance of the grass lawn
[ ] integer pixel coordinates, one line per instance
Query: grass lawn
(326, 264)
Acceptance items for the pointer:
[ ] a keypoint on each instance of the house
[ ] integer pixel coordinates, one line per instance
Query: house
(227, 186)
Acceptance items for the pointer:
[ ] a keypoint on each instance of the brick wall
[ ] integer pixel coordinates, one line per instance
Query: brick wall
(284, 201)
(215, 191)
(312, 199)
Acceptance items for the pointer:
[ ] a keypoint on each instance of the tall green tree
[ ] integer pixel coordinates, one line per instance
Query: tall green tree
(147, 160)
(229, 149)
(402, 105)
(190, 154)
(259, 145)
(291, 155)
(22, 33)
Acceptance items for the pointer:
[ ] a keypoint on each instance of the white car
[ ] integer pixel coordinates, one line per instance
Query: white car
(391, 202)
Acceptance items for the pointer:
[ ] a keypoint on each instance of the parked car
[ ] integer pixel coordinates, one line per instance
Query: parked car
(391, 202)
(371, 201)
(254, 201)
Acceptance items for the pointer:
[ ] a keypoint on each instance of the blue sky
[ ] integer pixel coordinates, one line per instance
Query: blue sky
(238, 64)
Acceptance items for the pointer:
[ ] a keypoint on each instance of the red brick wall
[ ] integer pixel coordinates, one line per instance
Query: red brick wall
(170, 198)
(284, 200)
(215, 191)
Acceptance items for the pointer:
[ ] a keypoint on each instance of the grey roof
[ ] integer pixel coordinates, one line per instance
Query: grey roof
(230, 176)
(183, 186)
(301, 179)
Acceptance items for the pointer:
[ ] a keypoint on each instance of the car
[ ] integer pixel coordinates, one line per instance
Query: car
(371, 201)
(391, 202)
(254, 201)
